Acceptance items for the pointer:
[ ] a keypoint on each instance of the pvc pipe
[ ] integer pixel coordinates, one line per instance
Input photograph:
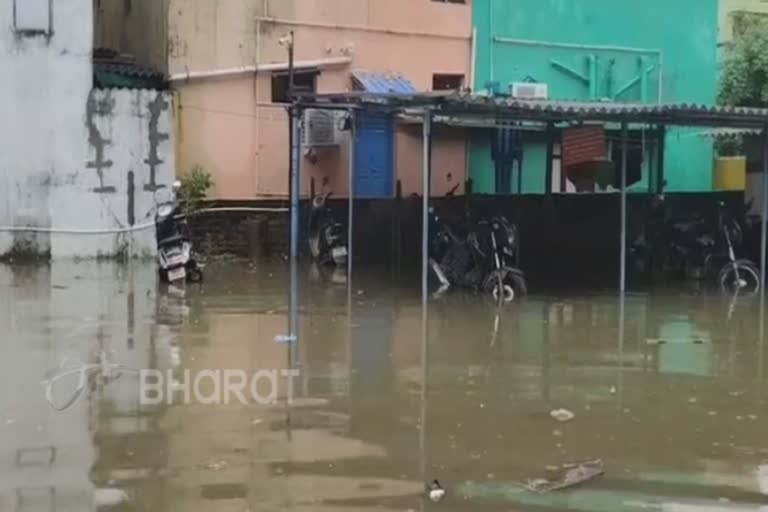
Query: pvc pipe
(473, 59)
(276, 66)
(550, 44)
(137, 227)
(71, 231)
(358, 28)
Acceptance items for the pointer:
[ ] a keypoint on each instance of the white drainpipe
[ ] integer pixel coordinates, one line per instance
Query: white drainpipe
(243, 70)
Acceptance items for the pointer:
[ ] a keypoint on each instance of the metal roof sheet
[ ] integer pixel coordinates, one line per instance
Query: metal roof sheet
(464, 105)
(383, 83)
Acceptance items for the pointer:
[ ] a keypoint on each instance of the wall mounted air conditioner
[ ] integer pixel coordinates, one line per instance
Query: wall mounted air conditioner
(321, 128)
(529, 91)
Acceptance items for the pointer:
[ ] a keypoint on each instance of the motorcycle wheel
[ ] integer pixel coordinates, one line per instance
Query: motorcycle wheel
(512, 285)
(741, 276)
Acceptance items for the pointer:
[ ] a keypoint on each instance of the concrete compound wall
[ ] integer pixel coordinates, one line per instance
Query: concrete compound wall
(77, 164)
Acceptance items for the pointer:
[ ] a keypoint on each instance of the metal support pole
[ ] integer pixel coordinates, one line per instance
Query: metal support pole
(763, 255)
(426, 173)
(624, 135)
(763, 241)
(295, 193)
(291, 123)
(351, 179)
(350, 243)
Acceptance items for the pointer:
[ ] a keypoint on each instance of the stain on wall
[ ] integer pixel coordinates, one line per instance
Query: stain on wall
(157, 108)
(99, 108)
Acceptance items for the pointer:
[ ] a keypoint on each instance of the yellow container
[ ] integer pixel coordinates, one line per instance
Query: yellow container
(731, 173)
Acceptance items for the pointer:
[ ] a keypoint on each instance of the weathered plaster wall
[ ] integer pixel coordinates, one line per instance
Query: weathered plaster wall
(729, 7)
(129, 165)
(69, 152)
(229, 125)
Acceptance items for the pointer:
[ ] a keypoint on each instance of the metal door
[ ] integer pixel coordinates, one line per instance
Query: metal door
(374, 150)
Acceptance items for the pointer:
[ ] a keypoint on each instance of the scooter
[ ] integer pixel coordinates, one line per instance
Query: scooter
(174, 245)
(327, 239)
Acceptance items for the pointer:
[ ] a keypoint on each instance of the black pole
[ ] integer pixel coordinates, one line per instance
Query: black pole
(550, 157)
(290, 114)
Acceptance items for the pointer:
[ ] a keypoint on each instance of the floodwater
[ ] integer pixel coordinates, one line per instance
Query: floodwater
(675, 405)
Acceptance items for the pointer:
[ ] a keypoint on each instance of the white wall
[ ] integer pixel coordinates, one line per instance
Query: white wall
(129, 128)
(51, 125)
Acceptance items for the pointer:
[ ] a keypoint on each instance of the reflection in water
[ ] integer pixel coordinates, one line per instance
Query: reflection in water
(668, 394)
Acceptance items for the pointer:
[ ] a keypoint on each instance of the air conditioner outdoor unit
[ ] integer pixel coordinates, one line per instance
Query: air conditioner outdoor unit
(530, 91)
(321, 128)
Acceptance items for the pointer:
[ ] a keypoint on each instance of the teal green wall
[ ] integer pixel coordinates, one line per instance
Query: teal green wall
(595, 49)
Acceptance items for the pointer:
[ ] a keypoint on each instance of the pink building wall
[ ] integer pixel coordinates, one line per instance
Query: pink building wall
(229, 126)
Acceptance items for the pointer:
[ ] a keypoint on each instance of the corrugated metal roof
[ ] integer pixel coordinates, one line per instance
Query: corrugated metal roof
(463, 105)
(587, 108)
(383, 83)
(114, 70)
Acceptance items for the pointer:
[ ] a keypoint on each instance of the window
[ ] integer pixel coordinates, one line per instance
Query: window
(742, 20)
(302, 82)
(447, 82)
(32, 17)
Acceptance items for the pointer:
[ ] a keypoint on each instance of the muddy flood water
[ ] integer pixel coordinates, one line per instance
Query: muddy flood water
(675, 407)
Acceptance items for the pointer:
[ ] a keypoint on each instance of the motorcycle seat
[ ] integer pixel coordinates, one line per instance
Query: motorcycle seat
(171, 240)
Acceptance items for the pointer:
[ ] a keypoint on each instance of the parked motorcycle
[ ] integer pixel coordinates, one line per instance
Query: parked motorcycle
(327, 238)
(479, 256)
(174, 246)
(737, 275)
(690, 247)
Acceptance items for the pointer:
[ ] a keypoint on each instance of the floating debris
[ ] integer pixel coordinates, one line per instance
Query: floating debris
(562, 415)
(110, 497)
(435, 491)
(216, 466)
(567, 475)
(285, 338)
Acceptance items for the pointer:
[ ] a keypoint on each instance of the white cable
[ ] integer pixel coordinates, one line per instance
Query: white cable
(35, 229)
(138, 227)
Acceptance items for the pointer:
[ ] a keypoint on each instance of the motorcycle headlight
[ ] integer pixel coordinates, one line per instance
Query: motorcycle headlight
(164, 210)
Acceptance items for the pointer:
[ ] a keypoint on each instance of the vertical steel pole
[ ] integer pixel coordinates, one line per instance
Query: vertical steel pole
(351, 179)
(763, 241)
(350, 243)
(426, 173)
(295, 193)
(763, 255)
(291, 123)
(624, 136)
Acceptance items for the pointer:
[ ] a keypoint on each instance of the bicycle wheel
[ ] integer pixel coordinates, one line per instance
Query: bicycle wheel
(741, 276)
